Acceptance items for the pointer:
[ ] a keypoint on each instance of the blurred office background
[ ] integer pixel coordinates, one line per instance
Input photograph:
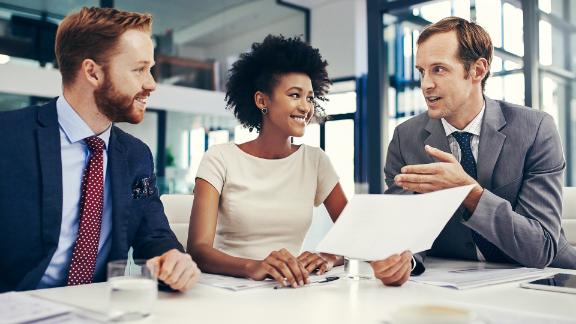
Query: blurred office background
(369, 44)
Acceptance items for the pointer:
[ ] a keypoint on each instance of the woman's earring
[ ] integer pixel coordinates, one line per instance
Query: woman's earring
(264, 111)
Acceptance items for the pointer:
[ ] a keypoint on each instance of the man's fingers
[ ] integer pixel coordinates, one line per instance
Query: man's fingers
(389, 272)
(182, 280)
(406, 275)
(428, 168)
(406, 255)
(383, 265)
(418, 187)
(153, 266)
(440, 155)
(399, 273)
(396, 277)
(415, 178)
(193, 279)
(181, 265)
(167, 264)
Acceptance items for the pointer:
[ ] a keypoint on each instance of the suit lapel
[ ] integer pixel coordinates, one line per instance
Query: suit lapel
(50, 159)
(121, 195)
(491, 142)
(437, 137)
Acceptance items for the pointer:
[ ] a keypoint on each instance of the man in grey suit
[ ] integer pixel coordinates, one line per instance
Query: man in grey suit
(512, 154)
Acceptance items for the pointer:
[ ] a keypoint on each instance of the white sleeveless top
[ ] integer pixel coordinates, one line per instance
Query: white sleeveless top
(265, 204)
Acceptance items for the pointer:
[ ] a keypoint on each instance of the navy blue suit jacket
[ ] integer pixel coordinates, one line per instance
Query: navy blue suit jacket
(31, 197)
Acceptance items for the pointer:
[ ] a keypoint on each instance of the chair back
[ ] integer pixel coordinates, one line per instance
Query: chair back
(177, 208)
(569, 214)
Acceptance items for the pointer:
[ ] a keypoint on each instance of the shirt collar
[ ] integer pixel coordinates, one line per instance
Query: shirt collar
(74, 126)
(474, 127)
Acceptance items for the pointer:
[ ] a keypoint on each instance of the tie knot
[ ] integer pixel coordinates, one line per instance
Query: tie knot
(95, 144)
(463, 138)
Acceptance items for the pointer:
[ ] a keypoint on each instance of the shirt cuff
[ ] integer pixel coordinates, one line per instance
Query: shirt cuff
(413, 264)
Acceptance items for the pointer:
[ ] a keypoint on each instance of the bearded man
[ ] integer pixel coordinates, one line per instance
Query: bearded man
(77, 192)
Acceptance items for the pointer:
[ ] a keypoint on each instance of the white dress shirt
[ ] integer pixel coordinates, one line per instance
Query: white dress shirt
(75, 156)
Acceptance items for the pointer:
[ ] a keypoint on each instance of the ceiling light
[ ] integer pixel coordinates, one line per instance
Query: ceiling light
(4, 59)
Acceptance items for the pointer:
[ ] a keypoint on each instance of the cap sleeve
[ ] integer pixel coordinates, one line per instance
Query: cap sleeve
(213, 168)
(326, 179)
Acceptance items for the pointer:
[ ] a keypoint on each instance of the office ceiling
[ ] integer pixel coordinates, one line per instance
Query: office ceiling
(196, 22)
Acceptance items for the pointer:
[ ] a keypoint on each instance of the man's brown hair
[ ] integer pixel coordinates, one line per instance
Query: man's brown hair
(473, 41)
(93, 33)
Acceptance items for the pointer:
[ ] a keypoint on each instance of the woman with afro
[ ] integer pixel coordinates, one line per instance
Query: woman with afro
(253, 202)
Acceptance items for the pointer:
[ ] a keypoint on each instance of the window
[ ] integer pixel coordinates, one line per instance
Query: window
(554, 73)
(557, 65)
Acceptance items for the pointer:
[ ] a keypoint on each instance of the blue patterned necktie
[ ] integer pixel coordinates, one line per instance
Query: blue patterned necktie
(489, 250)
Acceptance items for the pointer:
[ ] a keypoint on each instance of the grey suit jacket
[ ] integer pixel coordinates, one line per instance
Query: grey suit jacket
(520, 165)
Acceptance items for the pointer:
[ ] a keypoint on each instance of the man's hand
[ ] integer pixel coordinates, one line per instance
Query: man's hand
(446, 173)
(176, 269)
(394, 270)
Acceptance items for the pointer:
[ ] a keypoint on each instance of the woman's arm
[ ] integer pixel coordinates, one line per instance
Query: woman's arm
(280, 265)
(334, 203)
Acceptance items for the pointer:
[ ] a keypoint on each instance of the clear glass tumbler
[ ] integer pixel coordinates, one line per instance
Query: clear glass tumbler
(133, 289)
(358, 269)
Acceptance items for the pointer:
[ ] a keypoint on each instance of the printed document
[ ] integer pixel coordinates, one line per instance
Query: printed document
(473, 277)
(20, 308)
(238, 284)
(374, 227)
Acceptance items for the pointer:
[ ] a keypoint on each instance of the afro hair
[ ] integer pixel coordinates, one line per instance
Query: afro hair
(259, 70)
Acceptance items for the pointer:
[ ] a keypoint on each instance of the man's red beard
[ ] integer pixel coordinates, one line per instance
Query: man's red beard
(116, 106)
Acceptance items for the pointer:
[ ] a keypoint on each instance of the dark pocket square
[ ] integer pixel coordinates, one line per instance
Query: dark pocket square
(143, 188)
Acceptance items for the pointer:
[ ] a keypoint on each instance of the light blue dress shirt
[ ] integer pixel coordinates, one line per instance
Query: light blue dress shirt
(75, 157)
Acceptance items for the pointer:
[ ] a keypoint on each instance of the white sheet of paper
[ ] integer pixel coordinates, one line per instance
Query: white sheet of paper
(374, 227)
(233, 283)
(474, 278)
(20, 308)
(238, 284)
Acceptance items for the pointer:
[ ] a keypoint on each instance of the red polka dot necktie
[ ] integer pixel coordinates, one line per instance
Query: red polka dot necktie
(489, 250)
(85, 251)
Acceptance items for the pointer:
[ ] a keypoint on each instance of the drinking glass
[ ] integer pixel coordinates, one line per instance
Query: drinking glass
(133, 289)
(358, 269)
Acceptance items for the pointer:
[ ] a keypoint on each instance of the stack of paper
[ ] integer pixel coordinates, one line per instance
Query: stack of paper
(473, 277)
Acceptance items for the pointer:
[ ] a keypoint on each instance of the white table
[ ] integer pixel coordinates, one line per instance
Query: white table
(344, 301)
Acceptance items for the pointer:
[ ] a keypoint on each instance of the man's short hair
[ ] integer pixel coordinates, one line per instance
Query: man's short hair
(93, 33)
(473, 41)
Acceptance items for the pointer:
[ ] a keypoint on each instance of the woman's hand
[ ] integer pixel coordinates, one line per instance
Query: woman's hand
(321, 262)
(280, 265)
(394, 270)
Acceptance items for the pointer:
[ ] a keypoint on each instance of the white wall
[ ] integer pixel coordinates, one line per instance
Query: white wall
(338, 29)
(36, 81)
(291, 26)
(147, 131)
